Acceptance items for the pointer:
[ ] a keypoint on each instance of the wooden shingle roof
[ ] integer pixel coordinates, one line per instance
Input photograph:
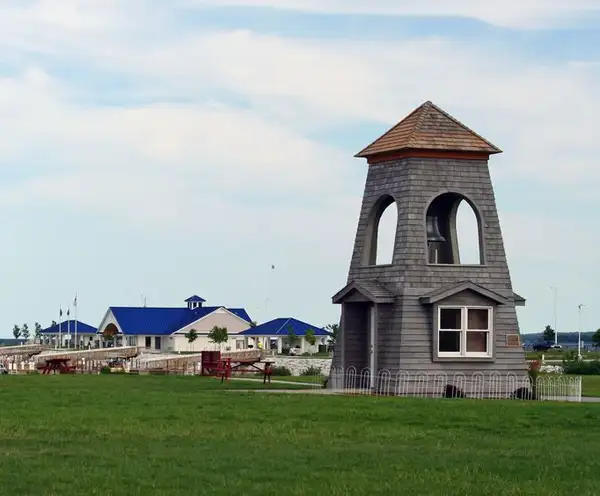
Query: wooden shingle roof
(429, 128)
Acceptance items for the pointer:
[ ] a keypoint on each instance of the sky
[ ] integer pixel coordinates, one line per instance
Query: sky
(163, 149)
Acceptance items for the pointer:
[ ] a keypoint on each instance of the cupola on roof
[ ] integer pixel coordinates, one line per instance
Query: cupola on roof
(429, 128)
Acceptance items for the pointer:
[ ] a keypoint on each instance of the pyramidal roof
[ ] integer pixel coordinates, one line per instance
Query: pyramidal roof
(429, 128)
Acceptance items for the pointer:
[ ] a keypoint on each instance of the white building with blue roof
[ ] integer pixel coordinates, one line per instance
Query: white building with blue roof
(163, 329)
(286, 333)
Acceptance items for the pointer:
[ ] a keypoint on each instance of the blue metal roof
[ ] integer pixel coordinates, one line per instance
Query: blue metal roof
(82, 328)
(195, 298)
(153, 321)
(281, 327)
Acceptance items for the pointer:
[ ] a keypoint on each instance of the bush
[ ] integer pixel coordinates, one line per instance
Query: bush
(281, 371)
(311, 371)
(580, 367)
(105, 370)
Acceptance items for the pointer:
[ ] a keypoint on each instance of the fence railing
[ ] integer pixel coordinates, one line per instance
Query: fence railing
(493, 385)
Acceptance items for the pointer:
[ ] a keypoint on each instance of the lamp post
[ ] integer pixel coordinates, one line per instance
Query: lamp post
(554, 291)
(580, 307)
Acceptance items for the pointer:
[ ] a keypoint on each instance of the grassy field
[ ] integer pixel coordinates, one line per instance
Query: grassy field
(590, 385)
(159, 435)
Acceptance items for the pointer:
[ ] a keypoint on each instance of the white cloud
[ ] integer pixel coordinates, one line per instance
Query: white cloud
(512, 13)
(197, 154)
(542, 115)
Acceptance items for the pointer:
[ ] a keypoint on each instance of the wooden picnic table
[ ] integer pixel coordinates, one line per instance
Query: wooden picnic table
(226, 366)
(57, 364)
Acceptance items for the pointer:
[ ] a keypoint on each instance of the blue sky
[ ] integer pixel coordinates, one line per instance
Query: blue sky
(173, 148)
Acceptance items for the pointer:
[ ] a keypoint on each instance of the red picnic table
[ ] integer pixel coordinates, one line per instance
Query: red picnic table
(57, 364)
(226, 366)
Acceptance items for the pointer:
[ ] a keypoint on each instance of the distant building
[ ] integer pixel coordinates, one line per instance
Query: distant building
(164, 328)
(63, 334)
(275, 335)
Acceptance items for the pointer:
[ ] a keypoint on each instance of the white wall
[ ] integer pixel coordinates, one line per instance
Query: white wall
(221, 318)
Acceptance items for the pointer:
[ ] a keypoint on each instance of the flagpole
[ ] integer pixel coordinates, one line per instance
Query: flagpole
(59, 328)
(75, 305)
(69, 324)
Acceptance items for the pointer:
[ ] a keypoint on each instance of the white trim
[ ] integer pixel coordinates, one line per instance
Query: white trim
(208, 315)
(463, 353)
(109, 318)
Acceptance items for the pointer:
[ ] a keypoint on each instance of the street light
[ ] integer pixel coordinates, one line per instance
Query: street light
(581, 305)
(554, 290)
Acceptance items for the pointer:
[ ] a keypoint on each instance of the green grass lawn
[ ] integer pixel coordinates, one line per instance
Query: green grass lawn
(590, 385)
(150, 435)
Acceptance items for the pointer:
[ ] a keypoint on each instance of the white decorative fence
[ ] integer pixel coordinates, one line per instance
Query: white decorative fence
(439, 384)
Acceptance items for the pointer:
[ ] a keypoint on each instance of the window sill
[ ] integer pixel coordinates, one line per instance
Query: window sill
(463, 359)
(376, 266)
(483, 266)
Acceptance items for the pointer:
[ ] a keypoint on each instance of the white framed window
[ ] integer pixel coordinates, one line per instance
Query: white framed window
(465, 331)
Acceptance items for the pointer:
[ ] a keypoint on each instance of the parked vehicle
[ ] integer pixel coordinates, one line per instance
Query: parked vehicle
(543, 346)
(3, 369)
(295, 351)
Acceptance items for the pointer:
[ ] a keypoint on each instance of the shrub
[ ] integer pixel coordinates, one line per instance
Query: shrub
(580, 367)
(311, 371)
(105, 370)
(281, 371)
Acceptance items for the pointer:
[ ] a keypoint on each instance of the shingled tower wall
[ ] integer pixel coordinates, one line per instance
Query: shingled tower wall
(392, 314)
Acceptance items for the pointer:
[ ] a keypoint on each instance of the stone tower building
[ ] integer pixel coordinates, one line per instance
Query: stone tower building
(426, 311)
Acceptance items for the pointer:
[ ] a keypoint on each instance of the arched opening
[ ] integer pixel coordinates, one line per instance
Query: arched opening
(467, 234)
(110, 336)
(451, 219)
(381, 232)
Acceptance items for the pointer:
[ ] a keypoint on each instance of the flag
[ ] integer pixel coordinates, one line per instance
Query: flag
(60, 312)
(68, 312)
(75, 300)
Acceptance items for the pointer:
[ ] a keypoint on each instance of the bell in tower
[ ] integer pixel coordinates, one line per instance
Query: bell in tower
(428, 312)
(435, 240)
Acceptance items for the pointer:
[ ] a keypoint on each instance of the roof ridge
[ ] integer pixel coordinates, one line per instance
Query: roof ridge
(287, 319)
(420, 118)
(455, 120)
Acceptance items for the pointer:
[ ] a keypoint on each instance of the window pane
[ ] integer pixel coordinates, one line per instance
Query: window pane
(477, 342)
(478, 318)
(449, 342)
(450, 318)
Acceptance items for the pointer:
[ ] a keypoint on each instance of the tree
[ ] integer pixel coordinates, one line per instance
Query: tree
(25, 331)
(253, 323)
(334, 330)
(310, 337)
(596, 338)
(290, 337)
(548, 334)
(191, 336)
(16, 331)
(37, 330)
(218, 335)
(54, 323)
